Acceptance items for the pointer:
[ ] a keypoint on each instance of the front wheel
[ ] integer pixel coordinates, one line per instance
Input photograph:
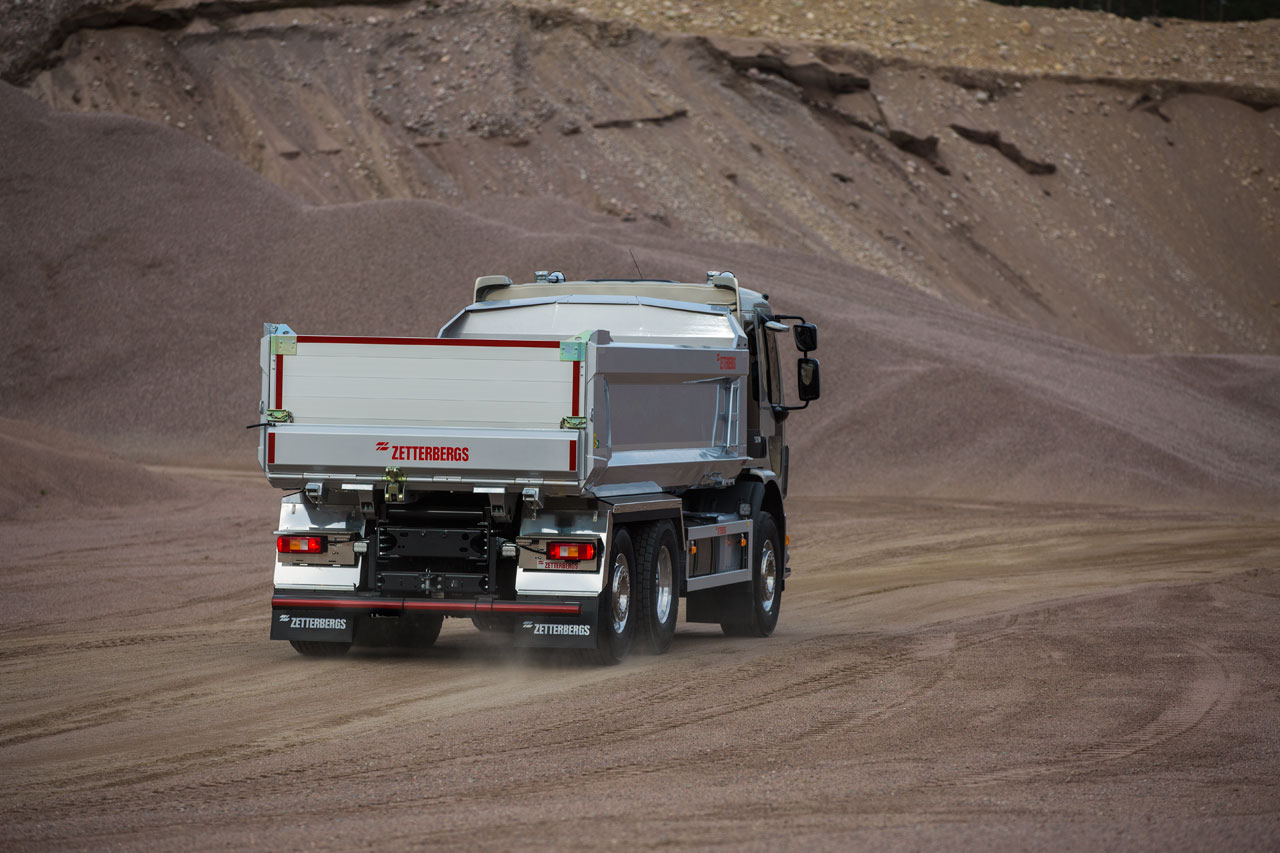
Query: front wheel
(751, 610)
(615, 623)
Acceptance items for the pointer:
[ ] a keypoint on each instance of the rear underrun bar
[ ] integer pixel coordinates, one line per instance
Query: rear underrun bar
(463, 608)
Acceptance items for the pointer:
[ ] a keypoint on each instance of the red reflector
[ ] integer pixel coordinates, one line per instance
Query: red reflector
(299, 544)
(571, 551)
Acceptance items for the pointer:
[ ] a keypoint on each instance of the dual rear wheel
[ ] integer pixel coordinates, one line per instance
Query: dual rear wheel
(641, 598)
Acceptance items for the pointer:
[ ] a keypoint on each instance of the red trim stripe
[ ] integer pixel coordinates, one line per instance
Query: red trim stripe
(425, 342)
(517, 607)
(573, 454)
(279, 381)
(442, 606)
(577, 390)
(271, 447)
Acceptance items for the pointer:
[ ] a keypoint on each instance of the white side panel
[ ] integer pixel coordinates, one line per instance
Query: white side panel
(334, 578)
(559, 583)
(425, 407)
(427, 384)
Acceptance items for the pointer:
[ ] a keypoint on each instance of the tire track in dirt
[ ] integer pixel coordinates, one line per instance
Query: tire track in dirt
(105, 784)
(1210, 691)
(104, 710)
(832, 677)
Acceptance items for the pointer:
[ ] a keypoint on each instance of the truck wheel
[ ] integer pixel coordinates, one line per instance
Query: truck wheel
(751, 610)
(616, 622)
(420, 631)
(313, 649)
(657, 598)
(493, 624)
(415, 631)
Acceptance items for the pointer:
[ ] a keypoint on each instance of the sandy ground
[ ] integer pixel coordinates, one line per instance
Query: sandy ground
(944, 674)
(976, 666)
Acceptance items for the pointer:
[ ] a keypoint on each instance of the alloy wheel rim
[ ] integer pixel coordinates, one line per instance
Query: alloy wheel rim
(621, 593)
(666, 584)
(768, 576)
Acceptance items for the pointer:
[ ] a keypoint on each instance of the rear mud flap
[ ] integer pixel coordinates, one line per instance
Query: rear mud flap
(558, 632)
(314, 627)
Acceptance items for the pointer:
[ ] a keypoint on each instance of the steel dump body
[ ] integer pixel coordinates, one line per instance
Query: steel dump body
(655, 403)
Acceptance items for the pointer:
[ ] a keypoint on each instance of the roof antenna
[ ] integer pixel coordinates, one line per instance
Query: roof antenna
(634, 261)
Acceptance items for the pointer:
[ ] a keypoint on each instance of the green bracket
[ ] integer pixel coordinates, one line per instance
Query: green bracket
(284, 345)
(394, 492)
(575, 349)
(280, 416)
(573, 422)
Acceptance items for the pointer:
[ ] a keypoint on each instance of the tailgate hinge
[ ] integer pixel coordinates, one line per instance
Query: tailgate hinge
(575, 349)
(284, 345)
(394, 492)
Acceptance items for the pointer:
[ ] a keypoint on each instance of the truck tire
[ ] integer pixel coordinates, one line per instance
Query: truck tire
(751, 610)
(313, 649)
(616, 620)
(415, 631)
(491, 624)
(657, 600)
(420, 631)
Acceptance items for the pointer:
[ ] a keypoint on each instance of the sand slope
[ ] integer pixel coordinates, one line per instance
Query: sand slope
(141, 266)
(1129, 213)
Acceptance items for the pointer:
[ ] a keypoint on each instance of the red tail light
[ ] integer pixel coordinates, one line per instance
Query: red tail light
(571, 551)
(299, 544)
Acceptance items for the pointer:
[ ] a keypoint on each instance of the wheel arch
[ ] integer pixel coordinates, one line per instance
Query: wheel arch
(766, 494)
(761, 490)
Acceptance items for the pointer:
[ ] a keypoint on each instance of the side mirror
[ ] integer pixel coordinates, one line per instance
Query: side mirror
(808, 377)
(806, 337)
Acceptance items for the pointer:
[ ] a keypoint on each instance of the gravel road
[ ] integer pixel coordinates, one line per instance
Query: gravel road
(944, 674)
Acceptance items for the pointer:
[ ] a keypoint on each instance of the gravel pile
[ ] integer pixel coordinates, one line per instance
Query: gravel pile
(972, 34)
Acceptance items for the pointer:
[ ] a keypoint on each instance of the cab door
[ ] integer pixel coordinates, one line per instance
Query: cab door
(766, 391)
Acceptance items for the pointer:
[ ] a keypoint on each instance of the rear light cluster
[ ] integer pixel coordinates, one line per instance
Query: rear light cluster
(571, 551)
(300, 544)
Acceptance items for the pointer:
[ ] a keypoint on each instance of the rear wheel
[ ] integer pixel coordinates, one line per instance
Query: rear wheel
(751, 610)
(658, 566)
(491, 624)
(313, 649)
(615, 620)
(414, 631)
(420, 631)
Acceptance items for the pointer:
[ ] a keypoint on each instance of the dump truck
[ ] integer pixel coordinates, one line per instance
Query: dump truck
(564, 462)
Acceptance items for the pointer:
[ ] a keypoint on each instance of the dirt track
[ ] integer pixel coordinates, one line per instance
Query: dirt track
(944, 674)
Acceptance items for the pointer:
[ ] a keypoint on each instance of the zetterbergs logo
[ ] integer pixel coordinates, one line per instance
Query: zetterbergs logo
(423, 452)
(727, 362)
(314, 622)
(556, 629)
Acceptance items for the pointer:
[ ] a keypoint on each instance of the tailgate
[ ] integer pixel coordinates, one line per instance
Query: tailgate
(436, 410)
